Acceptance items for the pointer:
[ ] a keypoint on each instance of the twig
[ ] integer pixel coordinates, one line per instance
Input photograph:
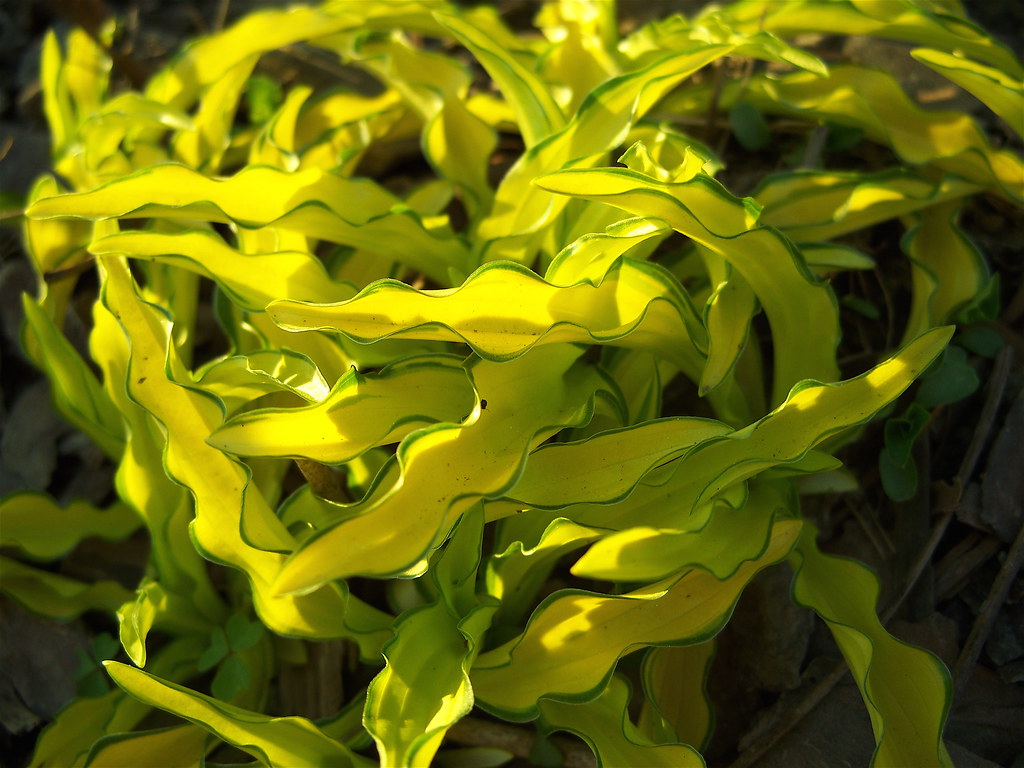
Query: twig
(325, 481)
(788, 720)
(989, 611)
(996, 388)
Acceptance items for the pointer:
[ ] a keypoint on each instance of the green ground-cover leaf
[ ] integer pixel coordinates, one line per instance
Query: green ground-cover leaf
(907, 718)
(605, 725)
(574, 638)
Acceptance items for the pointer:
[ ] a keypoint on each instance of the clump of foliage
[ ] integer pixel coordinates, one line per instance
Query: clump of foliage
(459, 300)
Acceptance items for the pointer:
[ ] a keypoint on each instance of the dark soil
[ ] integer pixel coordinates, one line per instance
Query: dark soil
(945, 558)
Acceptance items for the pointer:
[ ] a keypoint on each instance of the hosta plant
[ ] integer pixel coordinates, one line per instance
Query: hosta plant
(476, 372)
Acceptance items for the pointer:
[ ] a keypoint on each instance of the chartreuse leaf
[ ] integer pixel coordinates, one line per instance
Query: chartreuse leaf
(228, 506)
(239, 379)
(517, 572)
(362, 411)
(873, 101)
(581, 52)
(896, 19)
(446, 468)
(76, 392)
(906, 690)
(424, 688)
(637, 304)
(57, 106)
(676, 705)
(801, 310)
(316, 203)
(574, 638)
(829, 257)
(272, 740)
(749, 126)
(68, 739)
(724, 540)
(640, 377)
(947, 270)
(56, 596)
(166, 507)
(537, 113)
(154, 605)
(454, 140)
(728, 313)
(592, 255)
(812, 413)
(601, 122)
(606, 467)
(251, 280)
(811, 206)
(1000, 92)
(207, 60)
(37, 525)
(203, 144)
(276, 144)
(605, 725)
(180, 746)
(54, 245)
(104, 129)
